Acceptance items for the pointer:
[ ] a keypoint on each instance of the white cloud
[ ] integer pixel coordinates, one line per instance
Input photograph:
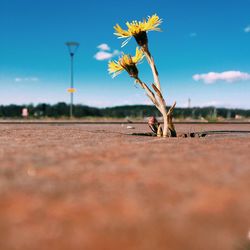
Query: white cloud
(26, 79)
(103, 54)
(103, 46)
(247, 29)
(228, 76)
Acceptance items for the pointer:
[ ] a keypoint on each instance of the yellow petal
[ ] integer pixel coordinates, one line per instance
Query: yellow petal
(152, 23)
(125, 61)
(121, 32)
(138, 56)
(114, 68)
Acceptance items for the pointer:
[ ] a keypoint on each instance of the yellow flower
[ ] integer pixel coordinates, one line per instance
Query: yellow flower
(126, 62)
(138, 30)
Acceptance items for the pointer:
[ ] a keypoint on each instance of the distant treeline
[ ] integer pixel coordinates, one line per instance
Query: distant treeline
(62, 110)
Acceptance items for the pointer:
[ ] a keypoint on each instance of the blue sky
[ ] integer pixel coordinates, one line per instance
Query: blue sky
(199, 37)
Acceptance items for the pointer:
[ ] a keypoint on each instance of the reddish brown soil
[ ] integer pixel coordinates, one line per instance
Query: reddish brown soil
(94, 187)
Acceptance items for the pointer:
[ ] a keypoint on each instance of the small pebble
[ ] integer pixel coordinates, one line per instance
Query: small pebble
(130, 127)
(31, 172)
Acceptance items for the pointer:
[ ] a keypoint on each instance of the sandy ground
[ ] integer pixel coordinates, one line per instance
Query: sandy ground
(95, 187)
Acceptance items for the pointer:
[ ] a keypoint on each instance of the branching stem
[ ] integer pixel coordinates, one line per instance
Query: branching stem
(167, 116)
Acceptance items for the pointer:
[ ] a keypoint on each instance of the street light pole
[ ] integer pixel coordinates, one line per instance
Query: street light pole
(71, 85)
(72, 47)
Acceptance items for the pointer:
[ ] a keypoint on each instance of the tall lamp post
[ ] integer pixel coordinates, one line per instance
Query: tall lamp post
(72, 47)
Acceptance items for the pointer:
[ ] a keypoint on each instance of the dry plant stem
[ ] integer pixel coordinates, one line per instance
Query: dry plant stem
(152, 66)
(159, 131)
(158, 105)
(170, 121)
(167, 117)
(149, 93)
(162, 105)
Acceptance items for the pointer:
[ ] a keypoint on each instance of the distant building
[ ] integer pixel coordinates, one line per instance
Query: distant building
(25, 113)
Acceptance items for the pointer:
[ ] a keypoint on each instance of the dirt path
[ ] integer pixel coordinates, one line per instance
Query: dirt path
(94, 187)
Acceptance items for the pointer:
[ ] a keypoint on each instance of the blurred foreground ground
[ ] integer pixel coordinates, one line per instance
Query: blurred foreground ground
(95, 187)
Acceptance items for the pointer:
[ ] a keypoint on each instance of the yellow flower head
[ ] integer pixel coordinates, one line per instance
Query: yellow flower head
(138, 29)
(126, 62)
